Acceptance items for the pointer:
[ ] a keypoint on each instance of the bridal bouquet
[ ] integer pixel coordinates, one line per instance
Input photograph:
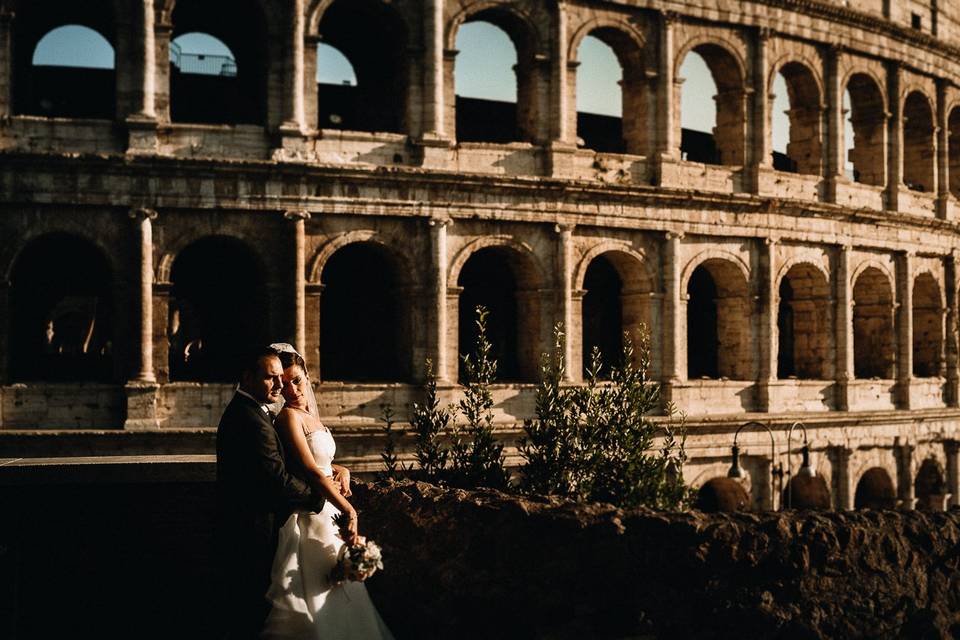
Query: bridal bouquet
(355, 562)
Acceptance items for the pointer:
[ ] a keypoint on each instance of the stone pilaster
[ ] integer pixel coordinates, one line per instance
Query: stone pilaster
(433, 95)
(894, 137)
(844, 328)
(759, 130)
(290, 131)
(904, 324)
(565, 291)
(162, 33)
(298, 222)
(951, 342)
(904, 455)
(835, 135)
(453, 334)
(6, 68)
(943, 151)
(311, 296)
(951, 449)
(438, 266)
(767, 313)
(841, 486)
(674, 320)
(668, 144)
(161, 330)
(4, 331)
(136, 79)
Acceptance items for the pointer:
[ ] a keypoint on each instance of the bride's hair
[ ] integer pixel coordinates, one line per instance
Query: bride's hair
(288, 359)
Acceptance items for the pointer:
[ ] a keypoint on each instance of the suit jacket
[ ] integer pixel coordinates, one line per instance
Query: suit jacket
(255, 492)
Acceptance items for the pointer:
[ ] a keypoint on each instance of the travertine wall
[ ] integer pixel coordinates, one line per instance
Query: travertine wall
(870, 260)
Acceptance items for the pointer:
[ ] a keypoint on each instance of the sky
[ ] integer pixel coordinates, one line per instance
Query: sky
(484, 69)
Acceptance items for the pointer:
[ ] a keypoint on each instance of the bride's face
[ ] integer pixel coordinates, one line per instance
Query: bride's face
(295, 383)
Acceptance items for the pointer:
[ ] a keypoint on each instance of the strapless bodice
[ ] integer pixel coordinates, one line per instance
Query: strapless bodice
(323, 448)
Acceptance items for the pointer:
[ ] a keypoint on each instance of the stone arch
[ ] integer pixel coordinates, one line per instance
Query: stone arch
(805, 93)
(875, 490)
(804, 320)
(874, 345)
(802, 492)
(237, 94)
(868, 118)
(627, 45)
(218, 306)
(728, 72)
(365, 323)
(506, 281)
(719, 320)
(713, 254)
(63, 313)
(60, 91)
(532, 277)
(928, 319)
(374, 37)
(616, 299)
(930, 487)
(523, 32)
(918, 142)
(316, 263)
(74, 228)
(632, 264)
(722, 494)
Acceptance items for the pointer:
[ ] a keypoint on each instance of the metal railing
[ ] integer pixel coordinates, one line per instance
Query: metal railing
(202, 64)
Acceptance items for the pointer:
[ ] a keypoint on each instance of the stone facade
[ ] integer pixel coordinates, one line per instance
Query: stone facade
(769, 294)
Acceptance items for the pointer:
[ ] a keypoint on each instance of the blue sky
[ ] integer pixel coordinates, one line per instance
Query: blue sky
(484, 69)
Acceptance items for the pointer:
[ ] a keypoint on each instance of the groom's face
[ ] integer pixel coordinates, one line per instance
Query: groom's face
(265, 382)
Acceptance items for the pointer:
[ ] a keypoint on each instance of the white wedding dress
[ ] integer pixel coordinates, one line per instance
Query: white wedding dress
(304, 604)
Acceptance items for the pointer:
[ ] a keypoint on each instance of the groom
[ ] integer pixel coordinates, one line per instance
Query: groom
(255, 494)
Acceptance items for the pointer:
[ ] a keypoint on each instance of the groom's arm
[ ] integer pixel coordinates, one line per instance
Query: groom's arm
(283, 487)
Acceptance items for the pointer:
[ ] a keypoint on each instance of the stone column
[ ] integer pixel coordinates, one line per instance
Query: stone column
(894, 138)
(840, 477)
(674, 322)
(143, 356)
(844, 328)
(292, 111)
(4, 331)
(298, 218)
(141, 390)
(438, 265)
(904, 456)
(767, 308)
(668, 147)
(140, 86)
(835, 124)
(943, 151)
(565, 311)
(162, 33)
(950, 449)
(433, 95)
(759, 137)
(951, 342)
(6, 68)
(904, 325)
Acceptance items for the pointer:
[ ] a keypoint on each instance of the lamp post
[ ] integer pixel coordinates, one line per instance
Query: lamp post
(776, 471)
(806, 471)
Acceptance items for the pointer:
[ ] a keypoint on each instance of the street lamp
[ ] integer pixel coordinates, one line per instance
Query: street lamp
(806, 471)
(737, 472)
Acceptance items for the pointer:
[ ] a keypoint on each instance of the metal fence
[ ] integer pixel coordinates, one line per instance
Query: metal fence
(202, 64)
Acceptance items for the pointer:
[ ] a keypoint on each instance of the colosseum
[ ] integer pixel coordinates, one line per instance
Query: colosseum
(155, 215)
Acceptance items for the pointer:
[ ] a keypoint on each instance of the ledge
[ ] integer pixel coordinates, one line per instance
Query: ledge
(107, 469)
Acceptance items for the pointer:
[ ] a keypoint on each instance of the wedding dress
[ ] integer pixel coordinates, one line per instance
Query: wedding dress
(304, 603)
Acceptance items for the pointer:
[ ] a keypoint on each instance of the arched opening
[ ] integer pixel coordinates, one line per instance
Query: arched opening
(218, 67)
(364, 331)
(918, 155)
(494, 79)
(371, 39)
(873, 334)
(218, 308)
(602, 314)
(718, 322)
(63, 59)
(804, 324)
(62, 312)
(613, 101)
(930, 487)
(953, 151)
(867, 120)
(927, 327)
(803, 111)
(803, 492)
(875, 490)
(501, 280)
(713, 131)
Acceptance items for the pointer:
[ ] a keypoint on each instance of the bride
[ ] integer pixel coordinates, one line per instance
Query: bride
(304, 603)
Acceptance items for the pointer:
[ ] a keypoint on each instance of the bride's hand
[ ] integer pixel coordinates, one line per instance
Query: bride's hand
(353, 535)
(342, 478)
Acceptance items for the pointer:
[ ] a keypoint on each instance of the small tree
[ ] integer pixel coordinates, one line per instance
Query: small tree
(476, 456)
(430, 423)
(391, 462)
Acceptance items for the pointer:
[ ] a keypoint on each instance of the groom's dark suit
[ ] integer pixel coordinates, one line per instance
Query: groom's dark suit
(255, 494)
